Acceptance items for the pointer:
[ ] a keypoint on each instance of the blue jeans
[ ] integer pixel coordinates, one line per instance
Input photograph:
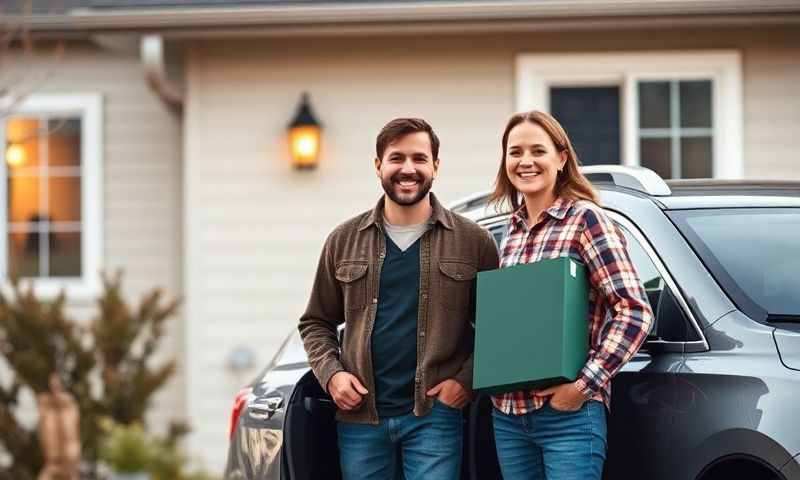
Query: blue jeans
(426, 447)
(550, 444)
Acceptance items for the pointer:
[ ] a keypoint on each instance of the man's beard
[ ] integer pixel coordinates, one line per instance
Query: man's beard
(424, 186)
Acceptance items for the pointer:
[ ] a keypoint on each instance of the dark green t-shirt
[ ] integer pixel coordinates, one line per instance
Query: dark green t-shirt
(394, 336)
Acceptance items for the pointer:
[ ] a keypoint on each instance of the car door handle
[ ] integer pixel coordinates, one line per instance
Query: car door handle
(264, 409)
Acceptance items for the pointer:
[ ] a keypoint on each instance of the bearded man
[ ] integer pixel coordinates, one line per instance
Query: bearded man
(401, 278)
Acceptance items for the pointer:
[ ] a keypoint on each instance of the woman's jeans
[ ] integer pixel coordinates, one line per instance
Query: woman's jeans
(414, 448)
(551, 444)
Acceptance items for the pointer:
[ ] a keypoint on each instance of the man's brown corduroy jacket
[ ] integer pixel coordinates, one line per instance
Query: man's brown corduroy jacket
(346, 290)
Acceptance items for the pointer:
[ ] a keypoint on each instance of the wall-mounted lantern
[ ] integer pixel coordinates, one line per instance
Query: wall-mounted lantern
(305, 133)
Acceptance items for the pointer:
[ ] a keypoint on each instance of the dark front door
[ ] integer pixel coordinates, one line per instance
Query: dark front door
(591, 117)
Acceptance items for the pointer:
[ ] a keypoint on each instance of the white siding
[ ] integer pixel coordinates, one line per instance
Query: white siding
(254, 227)
(772, 108)
(141, 185)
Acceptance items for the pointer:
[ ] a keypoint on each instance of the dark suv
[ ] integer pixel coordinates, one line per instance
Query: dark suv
(712, 394)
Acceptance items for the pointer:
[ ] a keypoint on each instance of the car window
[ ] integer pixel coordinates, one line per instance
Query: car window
(670, 322)
(498, 233)
(753, 253)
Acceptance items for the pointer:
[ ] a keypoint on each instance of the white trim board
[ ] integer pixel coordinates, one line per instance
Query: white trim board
(90, 109)
(326, 13)
(536, 73)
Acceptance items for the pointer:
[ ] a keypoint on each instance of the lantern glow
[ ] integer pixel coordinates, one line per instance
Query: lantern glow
(15, 155)
(305, 135)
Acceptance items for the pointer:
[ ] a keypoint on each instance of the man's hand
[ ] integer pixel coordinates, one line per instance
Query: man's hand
(566, 397)
(346, 391)
(451, 393)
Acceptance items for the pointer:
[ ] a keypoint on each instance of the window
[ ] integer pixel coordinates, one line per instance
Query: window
(498, 232)
(675, 127)
(52, 203)
(753, 253)
(677, 113)
(591, 115)
(671, 324)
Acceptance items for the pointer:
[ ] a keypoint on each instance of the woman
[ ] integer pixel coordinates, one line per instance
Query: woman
(559, 433)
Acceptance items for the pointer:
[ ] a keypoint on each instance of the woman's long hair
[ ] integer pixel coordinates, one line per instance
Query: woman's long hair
(570, 183)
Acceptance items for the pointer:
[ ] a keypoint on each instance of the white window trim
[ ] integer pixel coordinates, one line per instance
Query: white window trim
(536, 73)
(90, 109)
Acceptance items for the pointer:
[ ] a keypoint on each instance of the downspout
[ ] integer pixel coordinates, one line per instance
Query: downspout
(160, 69)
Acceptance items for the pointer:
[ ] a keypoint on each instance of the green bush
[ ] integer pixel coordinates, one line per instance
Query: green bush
(106, 365)
(125, 448)
(129, 449)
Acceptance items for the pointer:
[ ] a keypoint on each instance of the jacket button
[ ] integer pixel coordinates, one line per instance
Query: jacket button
(422, 333)
(374, 300)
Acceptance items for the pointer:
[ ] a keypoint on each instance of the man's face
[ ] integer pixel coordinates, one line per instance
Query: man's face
(407, 168)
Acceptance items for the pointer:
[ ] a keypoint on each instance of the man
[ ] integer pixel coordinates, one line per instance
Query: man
(400, 277)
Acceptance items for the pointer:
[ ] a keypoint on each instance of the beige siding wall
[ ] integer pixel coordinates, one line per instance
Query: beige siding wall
(254, 226)
(141, 184)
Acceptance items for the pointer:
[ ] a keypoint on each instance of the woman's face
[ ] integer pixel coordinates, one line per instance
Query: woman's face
(532, 160)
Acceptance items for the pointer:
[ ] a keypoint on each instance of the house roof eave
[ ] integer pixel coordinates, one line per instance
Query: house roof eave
(426, 11)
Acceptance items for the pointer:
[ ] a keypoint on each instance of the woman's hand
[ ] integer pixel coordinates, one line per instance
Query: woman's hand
(566, 397)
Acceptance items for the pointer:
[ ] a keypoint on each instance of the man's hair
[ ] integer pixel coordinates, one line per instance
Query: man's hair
(400, 127)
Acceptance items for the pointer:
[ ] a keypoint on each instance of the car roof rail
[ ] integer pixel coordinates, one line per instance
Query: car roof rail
(470, 202)
(637, 178)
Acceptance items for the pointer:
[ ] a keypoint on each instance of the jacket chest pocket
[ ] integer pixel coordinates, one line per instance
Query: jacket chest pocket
(352, 277)
(456, 280)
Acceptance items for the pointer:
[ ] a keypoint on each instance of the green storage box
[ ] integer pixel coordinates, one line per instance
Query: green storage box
(531, 328)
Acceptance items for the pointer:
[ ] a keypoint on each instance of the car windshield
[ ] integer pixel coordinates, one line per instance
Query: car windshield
(754, 253)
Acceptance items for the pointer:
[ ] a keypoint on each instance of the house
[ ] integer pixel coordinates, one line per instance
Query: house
(171, 159)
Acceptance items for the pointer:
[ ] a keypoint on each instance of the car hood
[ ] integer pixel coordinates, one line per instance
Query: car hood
(788, 342)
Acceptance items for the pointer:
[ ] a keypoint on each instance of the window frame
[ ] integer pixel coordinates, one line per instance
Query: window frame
(536, 73)
(89, 108)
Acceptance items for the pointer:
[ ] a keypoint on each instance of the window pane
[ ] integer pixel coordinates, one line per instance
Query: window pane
(23, 199)
(654, 109)
(591, 116)
(65, 198)
(696, 104)
(499, 233)
(752, 252)
(23, 254)
(696, 157)
(64, 142)
(647, 271)
(65, 254)
(656, 154)
(40, 200)
(670, 322)
(22, 142)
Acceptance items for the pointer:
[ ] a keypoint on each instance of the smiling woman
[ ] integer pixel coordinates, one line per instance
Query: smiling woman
(547, 144)
(558, 216)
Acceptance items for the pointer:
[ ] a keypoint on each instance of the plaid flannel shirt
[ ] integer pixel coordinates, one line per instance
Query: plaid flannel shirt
(620, 316)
